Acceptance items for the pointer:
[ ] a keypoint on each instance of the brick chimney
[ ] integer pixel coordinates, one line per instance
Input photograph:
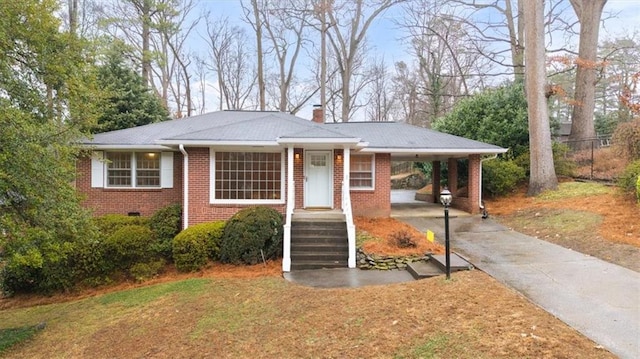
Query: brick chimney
(318, 114)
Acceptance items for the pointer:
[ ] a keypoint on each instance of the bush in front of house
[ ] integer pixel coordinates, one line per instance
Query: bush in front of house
(110, 223)
(250, 233)
(128, 246)
(165, 225)
(35, 260)
(628, 179)
(194, 245)
(500, 177)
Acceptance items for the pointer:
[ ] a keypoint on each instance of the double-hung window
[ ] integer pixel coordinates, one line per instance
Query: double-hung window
(247, 176)
(361, 174)
(133, 169)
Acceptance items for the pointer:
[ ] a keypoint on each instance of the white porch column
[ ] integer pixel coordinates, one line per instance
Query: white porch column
(291, 200)
(346, 207)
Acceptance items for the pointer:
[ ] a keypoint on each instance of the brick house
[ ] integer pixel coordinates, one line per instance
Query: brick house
(217, 163)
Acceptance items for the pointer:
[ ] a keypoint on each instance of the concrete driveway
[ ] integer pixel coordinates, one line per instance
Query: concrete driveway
(599, 299)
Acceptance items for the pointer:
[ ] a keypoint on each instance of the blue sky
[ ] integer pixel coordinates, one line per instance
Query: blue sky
(384, 37)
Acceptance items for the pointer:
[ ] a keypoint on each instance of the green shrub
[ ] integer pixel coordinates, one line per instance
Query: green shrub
(250, 233)
(128, 246)
(166, 224)
(628, 179)
(110, 223)
(36, 261)
(561, 162)
(192, 246)
(143, 271)
(499, 177)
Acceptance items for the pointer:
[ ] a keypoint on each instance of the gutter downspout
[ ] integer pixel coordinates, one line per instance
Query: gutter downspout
(185, 187)
(493, 157)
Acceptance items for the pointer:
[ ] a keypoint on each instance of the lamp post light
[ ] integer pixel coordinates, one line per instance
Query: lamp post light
(445, 199)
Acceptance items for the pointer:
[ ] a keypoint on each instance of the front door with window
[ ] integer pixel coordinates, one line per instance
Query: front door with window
(318, 175)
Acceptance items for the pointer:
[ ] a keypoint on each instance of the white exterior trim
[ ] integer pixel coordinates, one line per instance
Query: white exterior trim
(212, 180)
(443, 151)
(317, 140)
(166, 169)
(131, 147)
(208, 143)
(97, 169)
(185, 187)
(373, 173)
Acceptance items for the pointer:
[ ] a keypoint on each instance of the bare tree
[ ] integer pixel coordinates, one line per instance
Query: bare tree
(589, 13)
(286, 24)
(230, 53)
(253, 17)
(380, 94)
(543, 176)
(444, 67)
(350, 20)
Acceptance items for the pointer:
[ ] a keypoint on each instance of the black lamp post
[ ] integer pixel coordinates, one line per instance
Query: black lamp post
(445, 199)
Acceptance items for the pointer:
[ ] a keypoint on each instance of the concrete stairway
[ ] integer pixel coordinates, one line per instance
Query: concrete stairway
(319, 240)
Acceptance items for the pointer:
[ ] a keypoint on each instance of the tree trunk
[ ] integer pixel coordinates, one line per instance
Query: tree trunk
(589, 13)
(543, 175)
(259, 53)
(145, 15)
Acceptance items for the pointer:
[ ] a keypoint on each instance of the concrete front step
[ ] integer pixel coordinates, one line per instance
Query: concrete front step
(319, 265)
(302, 257)
(319, 242)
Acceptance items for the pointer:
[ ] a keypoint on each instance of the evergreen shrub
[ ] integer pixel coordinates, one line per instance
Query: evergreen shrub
(194, 245)
(251, 233)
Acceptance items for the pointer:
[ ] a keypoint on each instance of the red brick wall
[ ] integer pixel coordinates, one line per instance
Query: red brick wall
(470, 203)
(200, 210)
(377, 202)
(122, 201)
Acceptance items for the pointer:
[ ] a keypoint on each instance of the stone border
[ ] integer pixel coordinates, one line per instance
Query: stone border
(373, 261)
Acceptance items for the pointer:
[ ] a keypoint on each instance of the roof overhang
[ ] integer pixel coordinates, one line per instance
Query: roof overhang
(208, 143)
(126, 147)
(438, 154)
(317, 140)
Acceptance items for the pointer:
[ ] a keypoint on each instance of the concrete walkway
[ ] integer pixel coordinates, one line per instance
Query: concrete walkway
(599, 299)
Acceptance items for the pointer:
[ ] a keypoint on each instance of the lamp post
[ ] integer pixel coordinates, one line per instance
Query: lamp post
(445, 199)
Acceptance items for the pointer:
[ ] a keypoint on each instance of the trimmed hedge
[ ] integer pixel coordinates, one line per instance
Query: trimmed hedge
(250, 233)
(194, 245)
(110, 223)
(165, 225)
(499, 177)
(128, 246)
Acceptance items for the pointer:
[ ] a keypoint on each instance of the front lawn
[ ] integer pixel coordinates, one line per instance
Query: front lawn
(472, 316)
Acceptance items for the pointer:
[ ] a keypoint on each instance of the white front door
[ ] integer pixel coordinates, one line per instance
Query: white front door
(318, 175)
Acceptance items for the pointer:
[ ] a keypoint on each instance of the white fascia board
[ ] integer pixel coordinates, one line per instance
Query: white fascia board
(437, 151)
(130, 147)
(208, 143)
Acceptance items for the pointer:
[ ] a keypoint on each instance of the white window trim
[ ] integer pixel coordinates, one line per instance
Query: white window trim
(212, 180)
(166, 174)
(373, 173)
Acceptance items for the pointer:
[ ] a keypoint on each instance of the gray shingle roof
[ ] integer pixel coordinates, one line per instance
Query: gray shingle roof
(255, 126)
(403, 136)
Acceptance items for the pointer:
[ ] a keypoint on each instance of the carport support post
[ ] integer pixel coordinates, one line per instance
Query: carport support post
(435, 180)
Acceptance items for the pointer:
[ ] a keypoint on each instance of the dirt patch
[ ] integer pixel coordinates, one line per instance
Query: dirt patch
(604, 225)
(384, 229)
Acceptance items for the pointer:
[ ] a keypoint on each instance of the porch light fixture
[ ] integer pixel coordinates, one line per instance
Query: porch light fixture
(339, 157)
(297, 155)
(445, 199)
